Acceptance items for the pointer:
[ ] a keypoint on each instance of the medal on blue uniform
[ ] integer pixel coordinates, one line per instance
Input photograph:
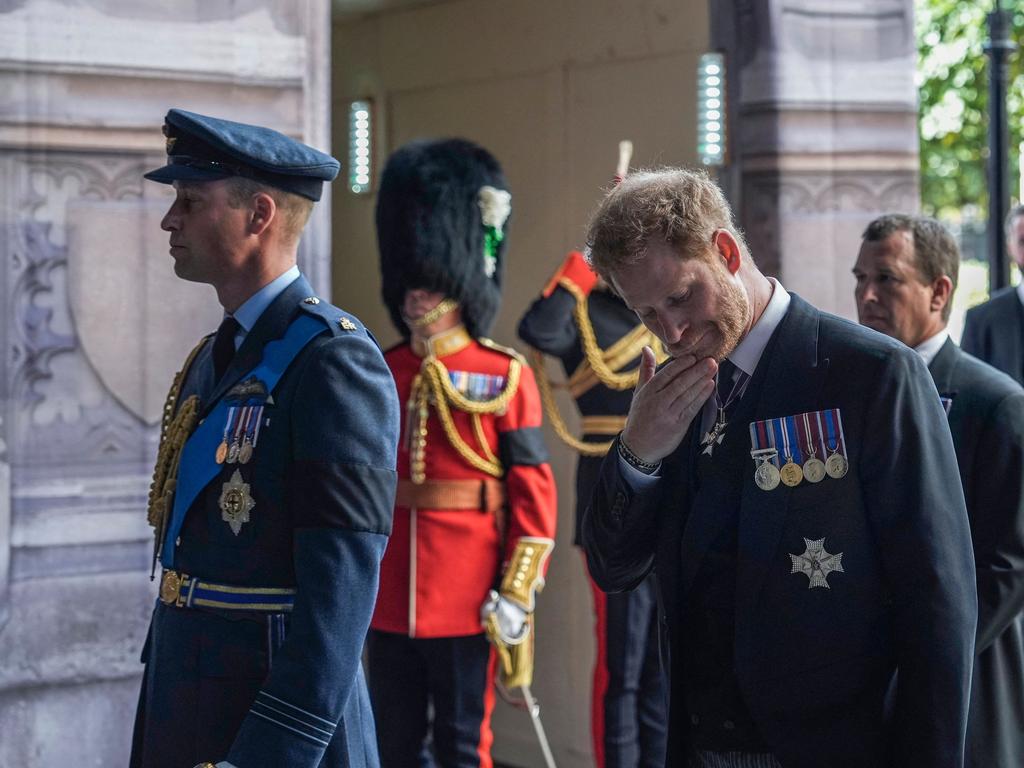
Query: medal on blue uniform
(221, 454)
(249, 436)
(236, 502)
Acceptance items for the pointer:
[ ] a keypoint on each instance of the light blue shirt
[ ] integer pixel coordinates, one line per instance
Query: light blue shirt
(256, 305)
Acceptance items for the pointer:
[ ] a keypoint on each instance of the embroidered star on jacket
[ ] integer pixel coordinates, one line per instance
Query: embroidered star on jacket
(816, 563)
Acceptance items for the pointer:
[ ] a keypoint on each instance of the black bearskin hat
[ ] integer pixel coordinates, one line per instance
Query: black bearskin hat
(431, 228)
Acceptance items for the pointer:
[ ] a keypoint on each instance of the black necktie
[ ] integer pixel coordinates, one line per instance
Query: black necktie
(726, 373)
(224, 346)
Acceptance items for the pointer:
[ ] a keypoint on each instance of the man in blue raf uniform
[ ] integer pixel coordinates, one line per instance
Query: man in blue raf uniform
(274, 485)
(790, 479)
(906, 274)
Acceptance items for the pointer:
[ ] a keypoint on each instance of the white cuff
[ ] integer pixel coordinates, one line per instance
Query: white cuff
(635, 479)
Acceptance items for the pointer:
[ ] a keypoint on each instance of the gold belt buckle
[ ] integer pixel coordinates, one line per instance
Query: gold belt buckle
(170, 587)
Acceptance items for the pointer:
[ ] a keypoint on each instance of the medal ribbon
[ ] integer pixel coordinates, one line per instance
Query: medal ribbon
(198, 468)
(792, 440)
(836, 438)
(763, 435)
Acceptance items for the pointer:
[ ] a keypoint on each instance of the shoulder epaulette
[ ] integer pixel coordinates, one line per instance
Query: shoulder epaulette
(336, 319)
(493, 345)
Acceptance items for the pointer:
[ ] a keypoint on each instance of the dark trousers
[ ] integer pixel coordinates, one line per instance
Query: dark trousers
(448, 677)
(630, 707)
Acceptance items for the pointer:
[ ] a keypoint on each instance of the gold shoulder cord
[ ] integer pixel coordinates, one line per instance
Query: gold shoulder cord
(175, 429)
(555, 415)
(595, 359)
(433, 385)
(591, 350)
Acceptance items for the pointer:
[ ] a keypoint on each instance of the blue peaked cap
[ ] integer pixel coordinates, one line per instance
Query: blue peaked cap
(204, 148)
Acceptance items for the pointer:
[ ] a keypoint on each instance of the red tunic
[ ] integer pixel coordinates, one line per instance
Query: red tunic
(440, 564)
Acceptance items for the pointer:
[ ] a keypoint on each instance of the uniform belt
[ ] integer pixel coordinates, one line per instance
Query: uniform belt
(602, 425)
(483, 495)
(184, 591)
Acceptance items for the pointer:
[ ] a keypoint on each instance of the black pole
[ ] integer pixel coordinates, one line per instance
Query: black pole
(998, 48)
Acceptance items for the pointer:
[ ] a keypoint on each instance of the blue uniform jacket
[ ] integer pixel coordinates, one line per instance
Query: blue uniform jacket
(817, 667)
(261, 690)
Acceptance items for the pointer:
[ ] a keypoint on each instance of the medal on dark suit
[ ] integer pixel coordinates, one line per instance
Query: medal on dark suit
(766, 475)
(791, 473)
(814, 468)
(837, 466)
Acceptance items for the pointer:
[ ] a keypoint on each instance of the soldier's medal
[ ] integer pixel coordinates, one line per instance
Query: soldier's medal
(816, 563)
(837, 466)
(791, 473)
(236, 502)
(814, 470)
(221, 454)
(245, 453)
(716, 434)
(236, 434)
(245, 449)
(766, 476)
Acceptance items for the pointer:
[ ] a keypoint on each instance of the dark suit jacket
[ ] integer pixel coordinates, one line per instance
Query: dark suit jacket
(287, 689)
(994, 333)
(815, 665)
(987, 422)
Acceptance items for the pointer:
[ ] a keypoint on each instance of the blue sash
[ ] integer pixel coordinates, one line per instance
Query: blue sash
(198, 463)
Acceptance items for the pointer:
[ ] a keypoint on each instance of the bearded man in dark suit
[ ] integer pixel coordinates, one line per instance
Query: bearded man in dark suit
(790, 479)
(906, 273)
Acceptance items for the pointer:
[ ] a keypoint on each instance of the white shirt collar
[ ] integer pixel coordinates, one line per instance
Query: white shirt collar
(929, 348)
(748, 352)
(1020, 291)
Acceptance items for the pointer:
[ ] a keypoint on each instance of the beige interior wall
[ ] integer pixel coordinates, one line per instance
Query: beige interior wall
(550, 87)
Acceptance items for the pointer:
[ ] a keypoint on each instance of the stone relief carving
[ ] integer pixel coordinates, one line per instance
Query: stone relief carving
(61, 414)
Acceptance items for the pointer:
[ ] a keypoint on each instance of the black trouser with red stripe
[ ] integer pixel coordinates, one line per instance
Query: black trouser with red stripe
(630, 705)
(452, 677)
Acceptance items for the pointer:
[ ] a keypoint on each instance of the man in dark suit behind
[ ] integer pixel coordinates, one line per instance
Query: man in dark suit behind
(807, 530)
(994, 331)
(906, 273)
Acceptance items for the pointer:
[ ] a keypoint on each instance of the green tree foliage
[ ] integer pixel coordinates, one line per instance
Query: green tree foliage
(952, 80)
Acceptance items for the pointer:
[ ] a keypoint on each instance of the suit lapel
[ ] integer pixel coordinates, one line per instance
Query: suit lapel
(794, 379)
(271, 325)
(943, 368)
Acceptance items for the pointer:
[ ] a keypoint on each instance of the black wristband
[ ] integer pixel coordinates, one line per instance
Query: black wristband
(635, 461)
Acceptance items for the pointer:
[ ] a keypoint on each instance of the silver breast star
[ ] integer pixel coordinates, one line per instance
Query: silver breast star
(816, 563)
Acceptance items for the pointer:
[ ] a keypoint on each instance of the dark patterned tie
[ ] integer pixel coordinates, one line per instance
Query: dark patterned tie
(224, 346)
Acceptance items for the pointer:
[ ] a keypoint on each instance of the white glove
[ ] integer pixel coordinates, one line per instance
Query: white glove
(512, 625)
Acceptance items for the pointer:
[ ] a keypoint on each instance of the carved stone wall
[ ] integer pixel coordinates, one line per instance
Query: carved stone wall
(94, 323)
(824, 116)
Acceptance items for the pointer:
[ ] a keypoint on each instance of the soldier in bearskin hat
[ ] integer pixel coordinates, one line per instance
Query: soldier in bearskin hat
(476, 499)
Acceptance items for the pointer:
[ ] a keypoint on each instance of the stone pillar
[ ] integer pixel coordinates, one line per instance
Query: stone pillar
(94, 324)
(824, 121)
